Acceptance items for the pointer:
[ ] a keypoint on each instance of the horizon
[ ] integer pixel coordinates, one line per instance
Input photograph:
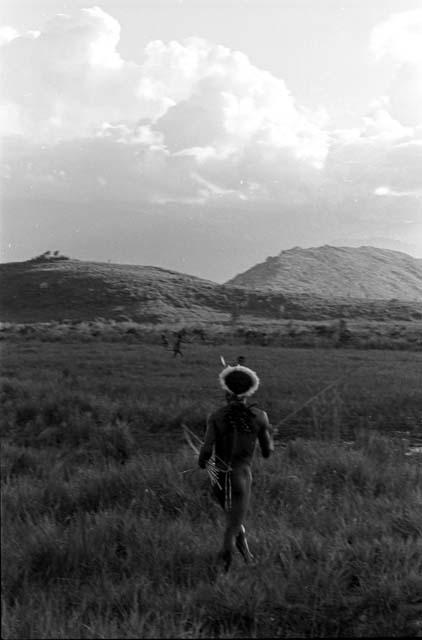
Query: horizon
(204, 137)
(61, 256)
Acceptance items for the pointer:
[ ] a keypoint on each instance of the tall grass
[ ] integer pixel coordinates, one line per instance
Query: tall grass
(48, 385)
(109, 529)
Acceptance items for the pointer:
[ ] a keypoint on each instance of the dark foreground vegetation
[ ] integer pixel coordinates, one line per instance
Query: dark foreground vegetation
(108, 528)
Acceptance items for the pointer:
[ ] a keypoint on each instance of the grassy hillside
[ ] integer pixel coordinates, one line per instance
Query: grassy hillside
(108, 528)
(364, 272)
(59, 289)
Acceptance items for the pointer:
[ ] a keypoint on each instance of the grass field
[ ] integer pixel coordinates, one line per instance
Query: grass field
(104, 536)
(383, 334)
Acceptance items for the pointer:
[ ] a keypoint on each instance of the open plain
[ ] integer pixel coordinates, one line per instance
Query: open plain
(109, 529)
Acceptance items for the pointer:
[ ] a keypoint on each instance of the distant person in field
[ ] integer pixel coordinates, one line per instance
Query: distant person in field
(232, 431)
(241, 360)
(344, 334)
(177, 348)
(164, 341)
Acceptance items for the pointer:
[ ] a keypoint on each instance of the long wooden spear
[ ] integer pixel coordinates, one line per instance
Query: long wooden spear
(332, 384)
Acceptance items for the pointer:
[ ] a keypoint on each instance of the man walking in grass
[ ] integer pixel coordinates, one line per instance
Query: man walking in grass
(232, 431)
(177, 350)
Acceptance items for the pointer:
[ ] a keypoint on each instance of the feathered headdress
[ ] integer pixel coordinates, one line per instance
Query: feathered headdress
(239, 381)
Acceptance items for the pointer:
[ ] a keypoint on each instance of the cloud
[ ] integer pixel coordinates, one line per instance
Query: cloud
(387, 191)
(7, 34)
(198, 119)
(194, 123)
(379, 124)
(70, 81)
(399, 39)
(68, 78)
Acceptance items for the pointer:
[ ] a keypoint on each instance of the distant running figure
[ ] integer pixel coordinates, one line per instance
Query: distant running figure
(177, 345)
(164, 341)
(233, 431)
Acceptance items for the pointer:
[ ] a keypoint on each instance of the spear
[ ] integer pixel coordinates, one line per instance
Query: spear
(332, 384)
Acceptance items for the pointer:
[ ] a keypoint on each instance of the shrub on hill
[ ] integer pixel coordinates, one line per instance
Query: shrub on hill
(49, 255)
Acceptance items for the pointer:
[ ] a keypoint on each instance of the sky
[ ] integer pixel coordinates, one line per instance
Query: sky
(205, 135)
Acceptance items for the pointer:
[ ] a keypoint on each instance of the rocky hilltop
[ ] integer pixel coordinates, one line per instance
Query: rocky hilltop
(332, 272)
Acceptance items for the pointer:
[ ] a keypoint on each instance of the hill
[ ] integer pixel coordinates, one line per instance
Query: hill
(50, 289)
(54, 289)
(360, 273)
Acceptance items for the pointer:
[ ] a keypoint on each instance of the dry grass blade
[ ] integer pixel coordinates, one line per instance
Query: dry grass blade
(188, 437)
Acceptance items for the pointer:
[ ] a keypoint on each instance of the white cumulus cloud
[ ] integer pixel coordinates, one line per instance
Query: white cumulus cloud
(7, 34)
(196, 122)
(198, 116)
(399, 36)
(399, 39)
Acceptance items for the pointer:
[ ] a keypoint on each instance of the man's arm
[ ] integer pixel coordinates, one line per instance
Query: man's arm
(265, 437)
(206, 449)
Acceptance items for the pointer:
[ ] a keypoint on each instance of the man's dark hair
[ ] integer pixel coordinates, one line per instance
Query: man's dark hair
(238, 382)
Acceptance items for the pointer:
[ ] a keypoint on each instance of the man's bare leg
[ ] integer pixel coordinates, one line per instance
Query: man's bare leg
(235, 535)
(242, 545)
